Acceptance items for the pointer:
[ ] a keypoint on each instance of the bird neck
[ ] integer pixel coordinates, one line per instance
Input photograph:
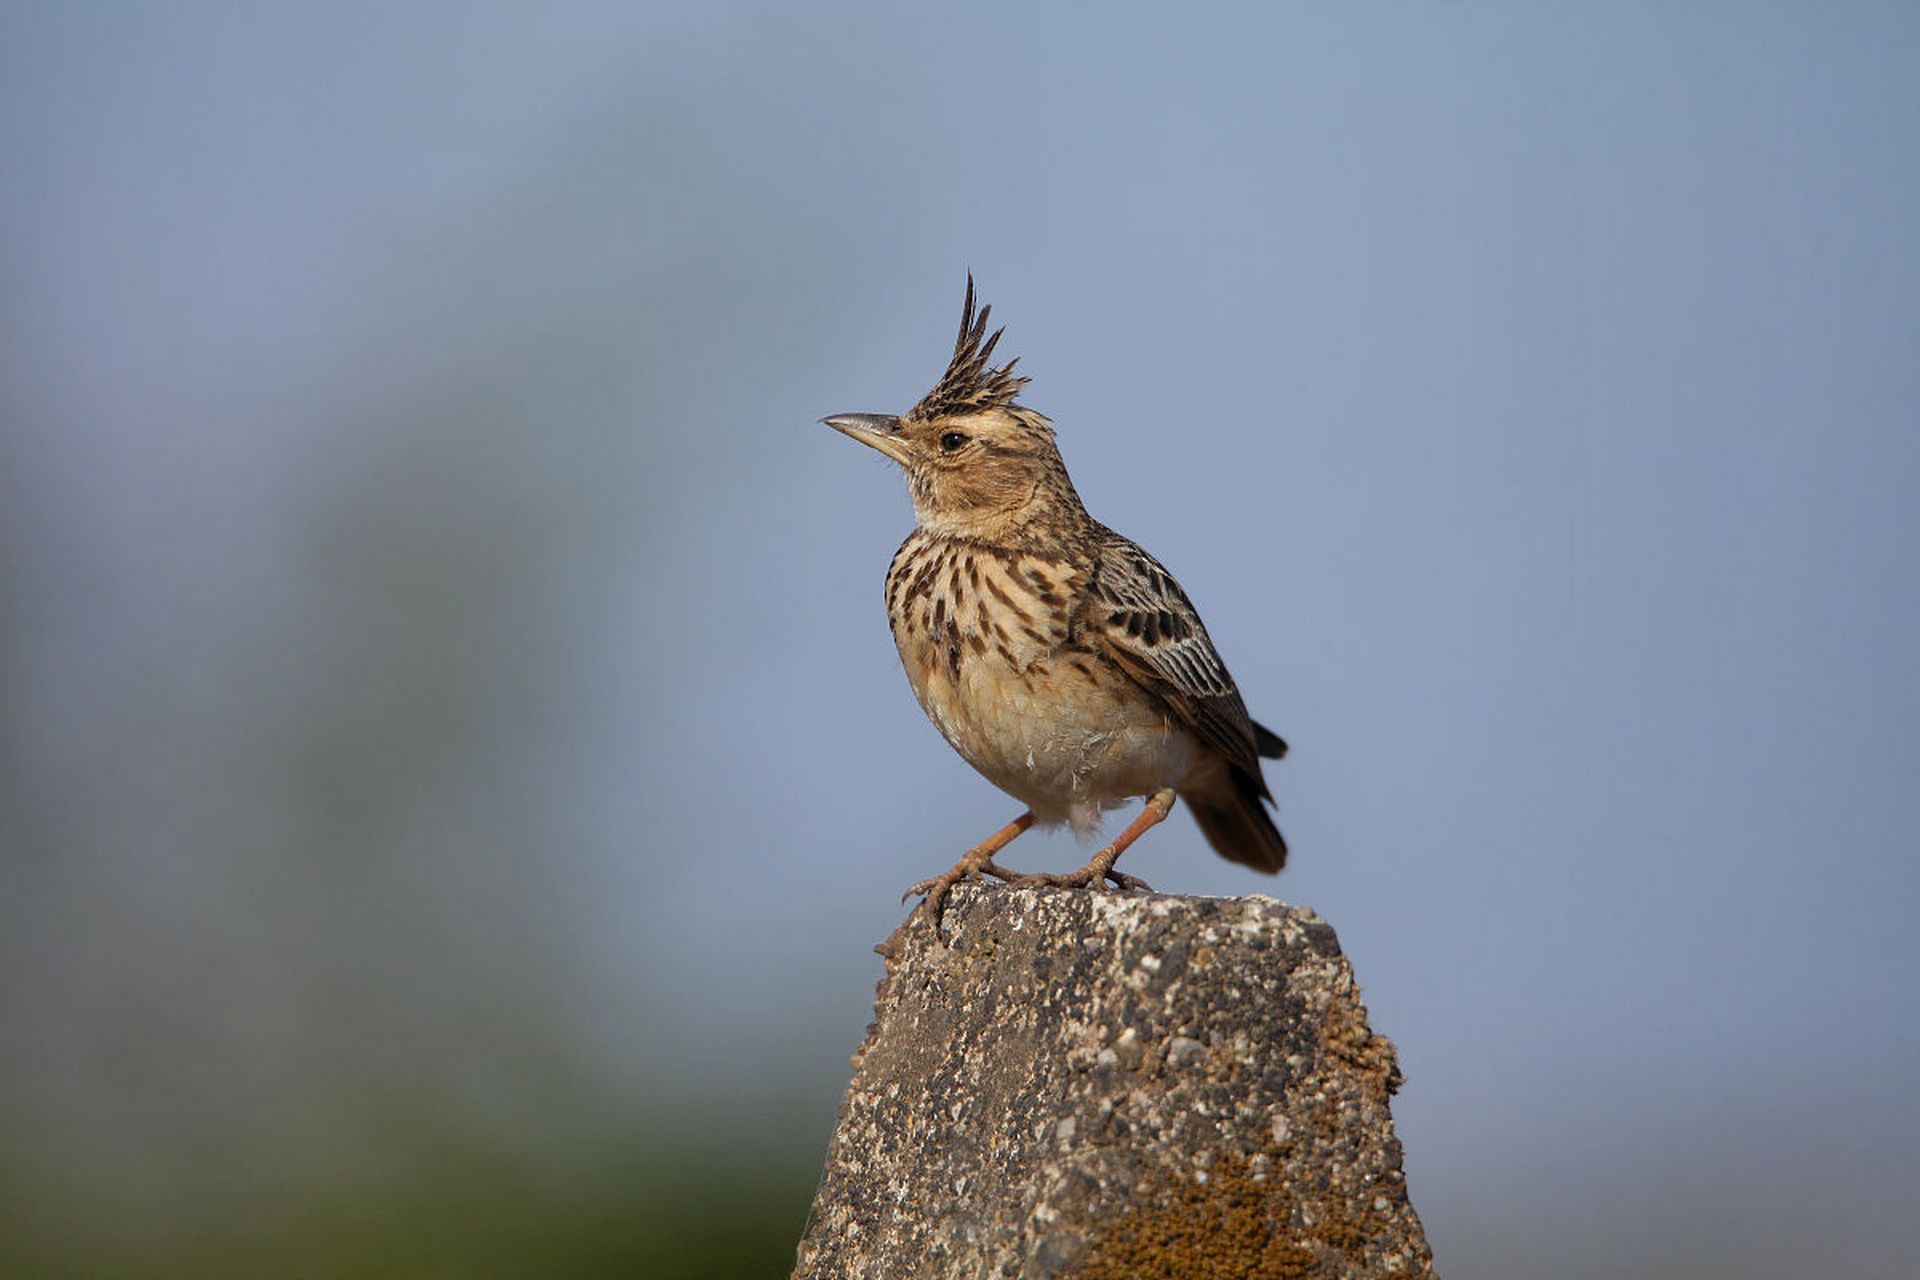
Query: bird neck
(1048, 513)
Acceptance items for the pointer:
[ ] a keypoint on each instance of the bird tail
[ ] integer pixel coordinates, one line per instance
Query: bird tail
(1236, 823)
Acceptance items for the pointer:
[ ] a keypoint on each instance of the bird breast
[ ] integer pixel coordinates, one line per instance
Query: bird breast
(989, 643)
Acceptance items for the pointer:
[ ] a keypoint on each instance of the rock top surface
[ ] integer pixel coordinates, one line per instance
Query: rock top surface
(1101, 1085)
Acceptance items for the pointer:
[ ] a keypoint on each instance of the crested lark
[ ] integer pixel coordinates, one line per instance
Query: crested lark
(1058, 658)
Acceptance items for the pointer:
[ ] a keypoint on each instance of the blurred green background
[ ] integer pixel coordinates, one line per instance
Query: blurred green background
(453, 764)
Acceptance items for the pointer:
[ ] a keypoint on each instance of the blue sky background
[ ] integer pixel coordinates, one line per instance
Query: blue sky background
(444, 661)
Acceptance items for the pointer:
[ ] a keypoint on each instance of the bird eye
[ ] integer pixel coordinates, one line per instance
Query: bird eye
(952, 440)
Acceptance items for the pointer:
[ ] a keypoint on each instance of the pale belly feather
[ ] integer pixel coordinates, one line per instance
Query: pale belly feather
(1054, 742)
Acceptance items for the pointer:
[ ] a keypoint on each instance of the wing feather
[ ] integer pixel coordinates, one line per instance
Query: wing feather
(1148, 627)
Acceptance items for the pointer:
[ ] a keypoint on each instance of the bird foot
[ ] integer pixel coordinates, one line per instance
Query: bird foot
(1091, 876)
(1099, 872)
(976, 865)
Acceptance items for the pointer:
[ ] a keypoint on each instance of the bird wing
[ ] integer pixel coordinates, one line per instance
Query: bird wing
(1144, 622)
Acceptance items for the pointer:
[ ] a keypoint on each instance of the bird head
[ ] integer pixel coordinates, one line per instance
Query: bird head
(978, 465)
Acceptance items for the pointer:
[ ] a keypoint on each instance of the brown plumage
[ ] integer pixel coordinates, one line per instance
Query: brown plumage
(1057, 657)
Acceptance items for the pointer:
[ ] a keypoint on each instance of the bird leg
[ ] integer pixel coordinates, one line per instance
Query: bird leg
(974, 863)
(1099, 868)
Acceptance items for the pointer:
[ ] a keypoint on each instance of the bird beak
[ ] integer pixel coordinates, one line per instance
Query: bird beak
(881, 430)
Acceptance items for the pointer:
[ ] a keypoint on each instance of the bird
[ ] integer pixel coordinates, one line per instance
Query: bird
(1057, 657)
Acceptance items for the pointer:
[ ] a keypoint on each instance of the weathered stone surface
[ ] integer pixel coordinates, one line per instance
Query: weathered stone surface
(1106, 1085)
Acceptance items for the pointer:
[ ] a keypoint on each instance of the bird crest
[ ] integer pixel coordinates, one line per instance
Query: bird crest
(970, 384)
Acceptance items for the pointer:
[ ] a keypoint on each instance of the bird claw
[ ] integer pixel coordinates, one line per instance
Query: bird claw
(978, 863)
(1087, 877)
(971, 869)
(943, 883)
(934, 905)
